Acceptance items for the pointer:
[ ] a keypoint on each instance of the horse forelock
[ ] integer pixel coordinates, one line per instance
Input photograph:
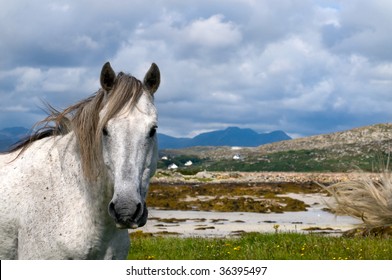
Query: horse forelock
(83, 118)
(124, 96)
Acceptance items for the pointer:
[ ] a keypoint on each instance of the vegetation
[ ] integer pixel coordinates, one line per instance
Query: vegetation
(256, 246)
(260, 198)
(312, 160)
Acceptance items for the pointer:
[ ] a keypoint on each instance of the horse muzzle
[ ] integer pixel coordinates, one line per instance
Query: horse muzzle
(130, 218)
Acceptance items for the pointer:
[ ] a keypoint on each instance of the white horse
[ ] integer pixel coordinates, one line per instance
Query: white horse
(74, 187)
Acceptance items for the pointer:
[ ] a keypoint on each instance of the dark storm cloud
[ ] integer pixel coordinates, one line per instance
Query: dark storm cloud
(305, 67)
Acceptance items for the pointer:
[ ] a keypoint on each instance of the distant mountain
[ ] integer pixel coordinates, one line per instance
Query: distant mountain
(10, 135)
(231, 136)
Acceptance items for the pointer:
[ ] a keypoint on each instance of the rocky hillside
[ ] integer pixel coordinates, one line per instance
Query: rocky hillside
(374, 135)
(365, 147)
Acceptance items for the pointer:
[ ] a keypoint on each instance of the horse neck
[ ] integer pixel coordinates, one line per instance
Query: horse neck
(100, 191)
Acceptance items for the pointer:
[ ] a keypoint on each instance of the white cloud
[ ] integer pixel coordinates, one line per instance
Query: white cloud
(310, 98)
(363, 29)
(212, 32)
(86, 42)
(17, 108)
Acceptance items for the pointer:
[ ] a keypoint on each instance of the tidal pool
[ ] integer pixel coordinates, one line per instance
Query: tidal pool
(221, 224)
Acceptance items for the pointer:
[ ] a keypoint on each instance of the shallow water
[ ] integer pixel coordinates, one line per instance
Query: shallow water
(220, 224)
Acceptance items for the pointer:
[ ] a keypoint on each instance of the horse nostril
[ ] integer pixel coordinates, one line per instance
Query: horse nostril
(138, 212)
(112, 210)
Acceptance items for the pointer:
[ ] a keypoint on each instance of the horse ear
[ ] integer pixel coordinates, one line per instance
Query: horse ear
(152, 79)
(107, 77)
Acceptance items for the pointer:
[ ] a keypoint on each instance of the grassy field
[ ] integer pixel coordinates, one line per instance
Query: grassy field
(256, 246)
(312, 160)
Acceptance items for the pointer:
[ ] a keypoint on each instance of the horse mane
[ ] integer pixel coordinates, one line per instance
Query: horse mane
(83, 119)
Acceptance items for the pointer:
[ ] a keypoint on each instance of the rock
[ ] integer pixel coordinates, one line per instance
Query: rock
(385, 232)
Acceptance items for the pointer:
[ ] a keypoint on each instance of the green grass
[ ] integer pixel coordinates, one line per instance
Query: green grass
(299, 161)
(255, 246)
(314, 160)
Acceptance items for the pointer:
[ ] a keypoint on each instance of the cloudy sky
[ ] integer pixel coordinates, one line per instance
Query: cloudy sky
(305, 67)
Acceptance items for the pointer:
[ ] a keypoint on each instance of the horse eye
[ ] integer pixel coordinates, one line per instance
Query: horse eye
(105, 131)
(153, 130)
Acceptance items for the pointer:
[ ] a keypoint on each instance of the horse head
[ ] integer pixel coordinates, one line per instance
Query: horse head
(129, 142)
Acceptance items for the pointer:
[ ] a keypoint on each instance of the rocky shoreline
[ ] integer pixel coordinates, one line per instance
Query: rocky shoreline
(171, 177)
